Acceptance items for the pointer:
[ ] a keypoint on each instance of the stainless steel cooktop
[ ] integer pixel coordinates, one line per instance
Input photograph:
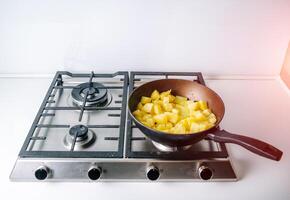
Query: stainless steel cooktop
(83, 132)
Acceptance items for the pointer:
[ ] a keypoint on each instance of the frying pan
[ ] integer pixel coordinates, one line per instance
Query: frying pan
(195, 91)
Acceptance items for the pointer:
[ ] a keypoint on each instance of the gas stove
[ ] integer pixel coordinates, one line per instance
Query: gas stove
(82, 132)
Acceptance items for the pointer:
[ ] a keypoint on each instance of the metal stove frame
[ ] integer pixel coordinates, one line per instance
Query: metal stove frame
(123, 164)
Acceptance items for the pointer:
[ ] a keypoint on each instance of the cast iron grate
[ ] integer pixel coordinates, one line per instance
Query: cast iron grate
(57, 84)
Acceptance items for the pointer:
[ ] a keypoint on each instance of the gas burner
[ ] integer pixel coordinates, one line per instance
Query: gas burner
(79, 131)
(84, 137)
(97, 94)
(71, 102)
(165, 148)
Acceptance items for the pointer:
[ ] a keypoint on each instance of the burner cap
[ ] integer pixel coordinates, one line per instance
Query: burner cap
(97, 94)
(85, 137)
(81, 132)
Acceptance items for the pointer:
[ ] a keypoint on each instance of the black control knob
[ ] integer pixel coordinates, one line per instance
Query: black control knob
(153, 173)
(94, 173)
(205, 173)
(41, 173)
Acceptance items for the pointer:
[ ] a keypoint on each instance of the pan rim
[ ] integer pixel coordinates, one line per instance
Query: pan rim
(207, 131)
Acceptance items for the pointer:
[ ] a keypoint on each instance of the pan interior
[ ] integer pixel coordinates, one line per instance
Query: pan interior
(190, 89)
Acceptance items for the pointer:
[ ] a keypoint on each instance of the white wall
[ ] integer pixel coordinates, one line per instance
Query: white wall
(212, 36)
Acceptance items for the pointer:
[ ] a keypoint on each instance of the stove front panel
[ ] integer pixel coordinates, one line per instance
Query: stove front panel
(120, 170)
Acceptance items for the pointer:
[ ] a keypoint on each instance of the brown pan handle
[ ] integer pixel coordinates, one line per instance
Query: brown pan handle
(253, 145)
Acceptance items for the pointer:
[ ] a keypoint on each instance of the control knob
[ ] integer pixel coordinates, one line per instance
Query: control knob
(94, 173)
(153, 173)
(205, 173)
(41, 173)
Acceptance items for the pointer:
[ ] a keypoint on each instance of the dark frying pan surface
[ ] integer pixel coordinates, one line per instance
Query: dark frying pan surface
(191, 90)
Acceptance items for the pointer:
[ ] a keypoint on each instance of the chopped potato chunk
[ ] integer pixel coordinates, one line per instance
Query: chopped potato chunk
(140, 106)
(148, 107)
(202, 105)
(165, 99)
(138, 113)
(160, 119)
(165, 112)
(174, 110)
(199, 116)
(206, 112)
(167, 106)
(171, 98)
(172, 117)
(157, 109)
(165, 94)
(155, 95)
(179, 128)
(180, 100)
(145, 100)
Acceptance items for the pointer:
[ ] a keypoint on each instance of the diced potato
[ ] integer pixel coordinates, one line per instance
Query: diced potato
(163, 127)
(142, 121)
(179, 107)
(202, 105)
(138, 113)
(192, 105)
(139, 118)
(211, 115)
(210, 125)
(168, 125)
(146, 116)
(145, 100)
(179, 129)
(176, 115)
(172, 117)
(194, 127)
(140, 106)
(165, 94)
(180, 100)
(148, 107)
(184, 124)
(150, 122)
(160, 119)
(202, 127)
(198, 116)
(175, 111)
(207, 125)
(160, 127)
(171, 98)
(157, 109)
(190, 120)
(167, 107)
(155, 95)
(183, 111)
(146, 123)
(157, 101)
(165, 99)
(212, 118)
(206, 112)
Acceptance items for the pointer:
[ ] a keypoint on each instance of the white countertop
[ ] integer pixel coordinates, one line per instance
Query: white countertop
(255, 107)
